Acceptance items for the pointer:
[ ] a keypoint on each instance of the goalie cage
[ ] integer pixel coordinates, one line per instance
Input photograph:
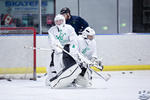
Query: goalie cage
(16, 62)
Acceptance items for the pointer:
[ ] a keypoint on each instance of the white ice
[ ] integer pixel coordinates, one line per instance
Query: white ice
(121, 86)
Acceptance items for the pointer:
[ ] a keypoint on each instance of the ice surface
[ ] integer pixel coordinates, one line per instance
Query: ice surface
(121, 86)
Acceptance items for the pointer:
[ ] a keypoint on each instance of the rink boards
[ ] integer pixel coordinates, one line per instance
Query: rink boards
(21, 70)
(118, 52)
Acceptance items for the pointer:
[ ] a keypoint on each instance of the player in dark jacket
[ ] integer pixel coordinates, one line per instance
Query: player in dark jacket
(78, 23)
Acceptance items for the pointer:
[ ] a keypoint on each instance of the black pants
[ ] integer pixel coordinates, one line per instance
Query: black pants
(52, 59)
(67, 59)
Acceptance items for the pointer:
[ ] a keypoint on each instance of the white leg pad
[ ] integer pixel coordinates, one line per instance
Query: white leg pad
(86, 80)
(66, 78)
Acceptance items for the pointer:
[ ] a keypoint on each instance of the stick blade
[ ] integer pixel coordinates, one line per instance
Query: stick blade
(108, 77)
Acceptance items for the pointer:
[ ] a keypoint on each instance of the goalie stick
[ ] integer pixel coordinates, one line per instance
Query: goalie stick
(43, 49)
(106, 77)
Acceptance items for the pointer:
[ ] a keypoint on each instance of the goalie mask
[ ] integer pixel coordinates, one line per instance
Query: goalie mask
(59, 21)
(88, 33)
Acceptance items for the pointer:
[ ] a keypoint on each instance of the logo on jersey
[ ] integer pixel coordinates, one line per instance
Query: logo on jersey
(60, 37)
(85, 50)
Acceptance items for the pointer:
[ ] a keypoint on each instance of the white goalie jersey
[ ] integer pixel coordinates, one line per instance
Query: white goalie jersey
(87, 47)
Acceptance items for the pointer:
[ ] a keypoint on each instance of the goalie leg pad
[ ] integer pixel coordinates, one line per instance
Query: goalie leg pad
(65, 78)
(84, 80)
